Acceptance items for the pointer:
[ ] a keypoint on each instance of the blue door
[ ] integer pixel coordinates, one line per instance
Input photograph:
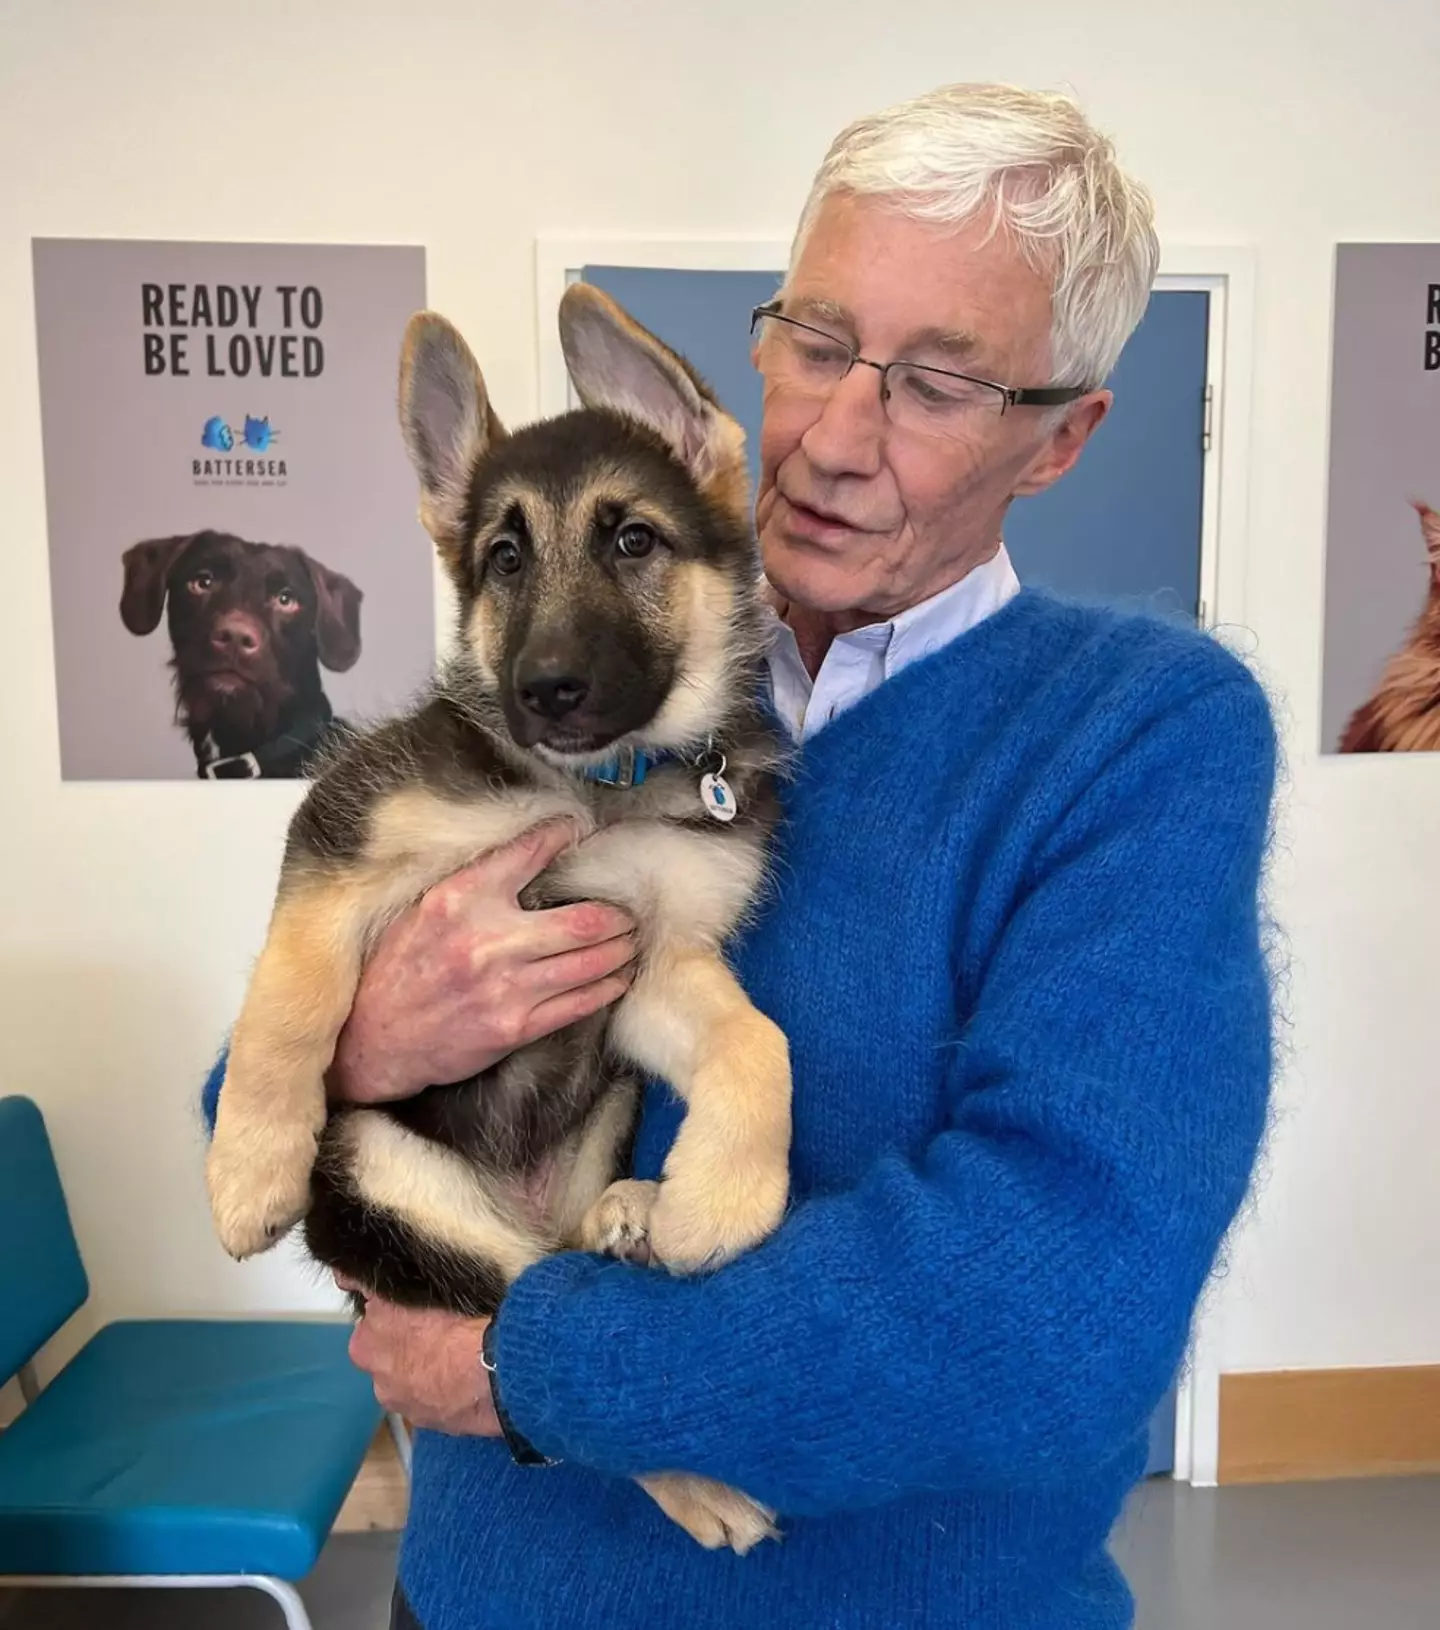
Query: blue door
(1124, 527)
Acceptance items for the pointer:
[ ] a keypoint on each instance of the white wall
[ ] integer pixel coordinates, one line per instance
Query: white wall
(130, 912)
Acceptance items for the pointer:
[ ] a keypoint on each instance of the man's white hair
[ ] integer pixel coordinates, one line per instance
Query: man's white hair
(1044, 176)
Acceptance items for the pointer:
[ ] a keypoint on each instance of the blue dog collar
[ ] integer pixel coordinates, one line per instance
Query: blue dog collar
(627, 768)
(630, 765)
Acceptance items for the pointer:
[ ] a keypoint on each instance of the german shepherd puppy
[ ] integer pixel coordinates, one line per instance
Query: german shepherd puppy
(1403, 716)
(608, 672)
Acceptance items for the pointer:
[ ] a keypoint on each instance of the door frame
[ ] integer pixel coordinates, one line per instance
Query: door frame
(1227, 274)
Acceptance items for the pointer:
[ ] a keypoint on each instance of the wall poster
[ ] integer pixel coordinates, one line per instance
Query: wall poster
(235, 560)
(1381, 689)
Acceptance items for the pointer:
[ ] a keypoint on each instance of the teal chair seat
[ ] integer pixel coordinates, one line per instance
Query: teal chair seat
(168, 1452)
(186, 1446)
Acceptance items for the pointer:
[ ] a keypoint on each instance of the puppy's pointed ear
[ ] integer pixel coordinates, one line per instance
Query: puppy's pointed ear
(147, 566)
(447, 421)
(617, 364)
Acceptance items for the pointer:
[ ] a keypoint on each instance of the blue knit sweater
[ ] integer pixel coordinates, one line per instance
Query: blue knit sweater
(1016, 946)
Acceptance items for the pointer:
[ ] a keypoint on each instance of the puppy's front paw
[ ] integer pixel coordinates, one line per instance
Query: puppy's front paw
(710, 1512)
(258, 1175)
(618, 1224)
(705, 1215)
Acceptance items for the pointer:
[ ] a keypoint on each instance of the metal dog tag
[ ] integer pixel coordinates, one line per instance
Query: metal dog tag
(718, 799)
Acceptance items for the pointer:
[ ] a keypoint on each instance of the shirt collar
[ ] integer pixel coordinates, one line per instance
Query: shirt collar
(924, 628)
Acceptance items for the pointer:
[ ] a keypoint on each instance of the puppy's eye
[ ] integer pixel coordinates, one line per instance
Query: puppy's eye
(286, 598)
(202, 581)
(636, 540)
(505, 556)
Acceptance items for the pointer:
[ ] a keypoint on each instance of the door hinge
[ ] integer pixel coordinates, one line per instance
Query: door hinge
(1208, 423)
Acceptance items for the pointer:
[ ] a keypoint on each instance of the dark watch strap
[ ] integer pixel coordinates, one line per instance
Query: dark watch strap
(522, 1451)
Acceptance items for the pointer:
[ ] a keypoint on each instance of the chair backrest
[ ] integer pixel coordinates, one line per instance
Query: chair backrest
(42, 1279)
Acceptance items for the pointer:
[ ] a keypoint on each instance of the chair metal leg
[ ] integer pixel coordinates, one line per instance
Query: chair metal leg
(296, 1617)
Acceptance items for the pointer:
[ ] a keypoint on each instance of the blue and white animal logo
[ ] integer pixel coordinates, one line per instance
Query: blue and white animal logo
(258, 435)
(217, 435)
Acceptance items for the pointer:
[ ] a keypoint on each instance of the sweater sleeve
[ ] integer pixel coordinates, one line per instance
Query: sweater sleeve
(1008, 1306)
(210, 1091)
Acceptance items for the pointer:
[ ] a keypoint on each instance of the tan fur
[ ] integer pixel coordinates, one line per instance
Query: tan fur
(583, 1174)
(483, 631)
(437, 1192)
(272, 1104)
(1403, 716)
(709, 1512)
(685, 884)
(417, 837)
(687, 1020)
(618, 1223)
(727, 1175)
(700, 610)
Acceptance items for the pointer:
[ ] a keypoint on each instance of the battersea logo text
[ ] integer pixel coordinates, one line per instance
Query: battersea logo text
(257, 435)
(233, 331)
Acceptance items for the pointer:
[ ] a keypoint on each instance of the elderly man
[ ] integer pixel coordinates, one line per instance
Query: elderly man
(1015, 946)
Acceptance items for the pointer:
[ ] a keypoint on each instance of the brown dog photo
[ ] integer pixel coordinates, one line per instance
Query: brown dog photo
(250, 625)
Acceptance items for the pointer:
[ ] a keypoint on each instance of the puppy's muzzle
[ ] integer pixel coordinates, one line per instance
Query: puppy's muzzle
(551, 681)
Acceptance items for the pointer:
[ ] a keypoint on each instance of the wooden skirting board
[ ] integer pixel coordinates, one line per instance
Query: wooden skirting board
(380, 1495)
(1290, 1426)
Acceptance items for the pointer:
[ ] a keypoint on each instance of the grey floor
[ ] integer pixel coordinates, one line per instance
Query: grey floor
(1331, 1556)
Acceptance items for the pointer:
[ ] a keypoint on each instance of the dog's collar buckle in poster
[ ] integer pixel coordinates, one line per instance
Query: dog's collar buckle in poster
(285, 755)
(630, 766)
(237, 767)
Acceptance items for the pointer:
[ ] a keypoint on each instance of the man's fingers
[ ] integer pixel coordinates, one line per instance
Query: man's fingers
(523, 859)
(508, 869)
(540, 936)
(568, 970)
(557, 1011)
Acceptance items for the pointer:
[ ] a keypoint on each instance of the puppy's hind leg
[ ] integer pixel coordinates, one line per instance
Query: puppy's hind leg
(272, 1102)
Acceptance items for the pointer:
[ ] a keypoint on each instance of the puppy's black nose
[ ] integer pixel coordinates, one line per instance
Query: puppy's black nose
(550, 682)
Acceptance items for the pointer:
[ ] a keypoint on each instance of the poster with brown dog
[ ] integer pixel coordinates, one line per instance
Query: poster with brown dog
(236, 567)
(1382, 555)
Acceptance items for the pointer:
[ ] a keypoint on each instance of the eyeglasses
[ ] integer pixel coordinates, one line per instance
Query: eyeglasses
(929, 401)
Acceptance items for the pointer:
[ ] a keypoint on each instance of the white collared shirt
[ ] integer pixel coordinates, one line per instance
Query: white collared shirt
(859, 661)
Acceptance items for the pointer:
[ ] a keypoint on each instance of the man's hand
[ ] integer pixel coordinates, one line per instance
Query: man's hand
(425, 1366)
(466, 976)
